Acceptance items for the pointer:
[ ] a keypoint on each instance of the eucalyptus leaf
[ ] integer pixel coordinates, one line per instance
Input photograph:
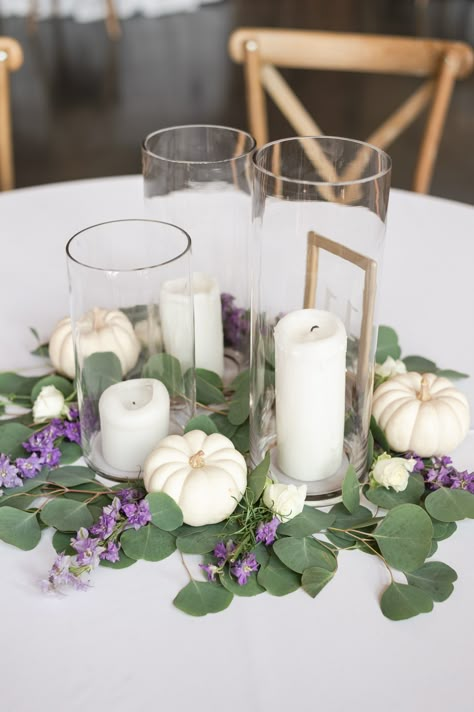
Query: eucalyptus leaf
(342, 541)
(359, 518)
(199, 598)
(419, 364)
(452, 375)
(208, 387)
(223, 425)
(242, 380)
(314, 579)
(62, 384)
(404, 537)
(251, 588)
(167, 369)
(379, 435)
(165, 513)
(240, 405)
(433, 549)
(202, 540)
(300, 554)
(435, 578)
(257, 478)
(100, 370)
(261, 553)
(12, 435)
(201, 422)
(387, 344)
(19, 528)
(443, 530)
(13, 384)
(148, 543)
(309, 522)
(350, 490)
(277, 578)
(450, 505)
(62, 543)
(370, 450)
(401, 601)
(67, 515)
(19, 501)
(241, 438)
(41, 350)
(123, 562)
(70, 452)
(71, 476)
(389, 498)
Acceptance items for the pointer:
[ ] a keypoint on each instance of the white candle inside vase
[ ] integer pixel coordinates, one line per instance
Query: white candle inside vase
(134, 417)
(310, 366)
(208, 329)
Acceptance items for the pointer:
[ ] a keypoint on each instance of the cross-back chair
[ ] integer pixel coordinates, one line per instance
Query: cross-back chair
(11, 59)
(112, 23)
(440, 62)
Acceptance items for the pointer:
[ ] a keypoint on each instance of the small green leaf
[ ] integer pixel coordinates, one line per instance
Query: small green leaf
(67, 515)
(201, 541)
(300, 554)
(41, 350)
(199, 598)
(100, 370)
(123, 562)
(419, 364)
(13, 384)
(389, 498)
(19, 528)
(62, 543)
(240, 405)
(201, 422)
(208, 387)
(277, 578)
(70, 452)
(165, 513)
(223, 425)
(241, 381)
(262, 554)
(62, 384)
(450, 505)
(309, 522)
(12, 435)
(251, 588)
(435, 578)
(167, 369)
(387, 344)
(148, 543)
(452, 375)
(72, 476)
(401, 601)
(379, 435)
(350, 490)
(314, 579)
(359, 518)
(404, 537)
(370, 450)
(241, 438)
(443, 530)
(257, 478)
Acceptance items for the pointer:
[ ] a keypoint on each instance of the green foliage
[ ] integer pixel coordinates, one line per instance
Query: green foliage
(223, 425)
(257, 478)
(201, 422)
(66, 515)
(389, 498)
(200, 540)
(167, 369)
(424, 365)
(435, 578)
(165, 513)
(387, 344)
(148, 543)
(241, 438)
(199, 598)
(404, 537)
(251, 588)
(209, 387)
(450, 505)
(301, 554)
(443, 530)
(401, 601)
(62, 543)
(379, 435)
(309, 522)
(315, 578)
(19, 528)
(71, 476)
(100, 370)
(70, 452)
(239, 405)
(350, 490)
(277, 578)
(12, 435)
(123, 562)
(62, 384)
(13, 384)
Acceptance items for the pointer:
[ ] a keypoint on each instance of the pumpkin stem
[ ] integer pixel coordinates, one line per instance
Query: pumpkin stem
(197, 460)
(424, 392)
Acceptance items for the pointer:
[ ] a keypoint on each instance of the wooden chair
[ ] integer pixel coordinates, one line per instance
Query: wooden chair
(441, 62)
(11, 59)
(112, 22)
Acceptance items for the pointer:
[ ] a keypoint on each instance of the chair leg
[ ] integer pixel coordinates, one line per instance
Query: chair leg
(112, 23)
(6, 152)
(32, 19)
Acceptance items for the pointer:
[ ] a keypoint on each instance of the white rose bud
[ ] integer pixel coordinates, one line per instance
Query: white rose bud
(390, 367)
(49, 404)
(392, 471)
(285, 501)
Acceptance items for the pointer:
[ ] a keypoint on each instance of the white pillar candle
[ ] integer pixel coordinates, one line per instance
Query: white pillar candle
(134, 417)
(208, 329)
(310, 366)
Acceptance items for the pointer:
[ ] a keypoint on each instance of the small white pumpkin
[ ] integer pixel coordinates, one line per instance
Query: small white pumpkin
(421, 413)
(204, 474)
(101, 330)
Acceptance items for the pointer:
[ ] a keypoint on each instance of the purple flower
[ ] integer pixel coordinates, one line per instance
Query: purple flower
(137, 514)
(88, 549)
(266, 532)
(129, 495)
(73, 414)
(51, 456)
(39, 441)
(235, 322)
(29, 466)
(63, 573)
(211, 571)
(112, 552)
(72, 432)
(222, 551)
(463, 480)
(243, 567)
(8, 473)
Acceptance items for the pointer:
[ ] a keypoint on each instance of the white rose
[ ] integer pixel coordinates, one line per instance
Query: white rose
(285, 501)
(392, 471)
(49, 404)
(390, 367)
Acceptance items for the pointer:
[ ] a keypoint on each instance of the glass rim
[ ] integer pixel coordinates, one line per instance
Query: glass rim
(298, 181)
(131, 269)
(152, 154)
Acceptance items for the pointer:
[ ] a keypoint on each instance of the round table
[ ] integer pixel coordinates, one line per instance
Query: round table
(122, 646)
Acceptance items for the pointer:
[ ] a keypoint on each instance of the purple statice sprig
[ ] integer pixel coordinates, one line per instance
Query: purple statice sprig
(101, 542)
(440, 472)
(235, 321)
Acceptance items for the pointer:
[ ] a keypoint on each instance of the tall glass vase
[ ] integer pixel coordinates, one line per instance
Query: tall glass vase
(199, 177)
(132, 339)
(319, 212)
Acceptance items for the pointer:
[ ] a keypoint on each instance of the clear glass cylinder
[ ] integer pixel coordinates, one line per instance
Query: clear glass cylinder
(133, 334)
(319, 213)
(198, 177)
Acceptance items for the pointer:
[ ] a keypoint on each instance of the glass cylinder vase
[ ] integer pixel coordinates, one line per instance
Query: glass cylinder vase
(133, 335)
(319, 213)
(198, 177)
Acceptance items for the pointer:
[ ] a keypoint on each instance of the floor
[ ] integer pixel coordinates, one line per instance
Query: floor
(83, 103)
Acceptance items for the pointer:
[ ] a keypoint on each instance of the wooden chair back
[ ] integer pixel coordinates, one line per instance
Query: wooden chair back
(11, 59)
(440, 62)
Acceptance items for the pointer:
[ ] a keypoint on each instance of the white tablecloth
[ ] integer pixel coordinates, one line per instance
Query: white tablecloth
(122, 646)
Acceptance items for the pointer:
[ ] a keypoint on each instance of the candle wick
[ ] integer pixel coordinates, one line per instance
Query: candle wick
(314, 327)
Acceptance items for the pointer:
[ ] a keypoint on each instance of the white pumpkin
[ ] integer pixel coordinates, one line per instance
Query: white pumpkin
(204, 474)
(424, 414)
(100, 330)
